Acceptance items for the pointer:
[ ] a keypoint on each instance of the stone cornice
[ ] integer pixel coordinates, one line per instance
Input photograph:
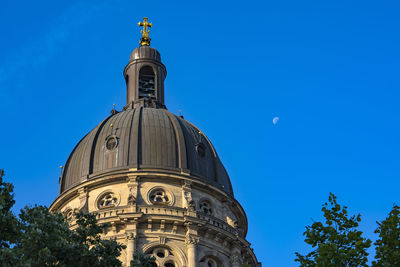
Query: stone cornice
(121, 176)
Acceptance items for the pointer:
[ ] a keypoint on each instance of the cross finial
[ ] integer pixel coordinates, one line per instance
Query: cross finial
(145, 39)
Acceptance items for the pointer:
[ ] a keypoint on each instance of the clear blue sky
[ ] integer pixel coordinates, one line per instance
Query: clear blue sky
(328, 69)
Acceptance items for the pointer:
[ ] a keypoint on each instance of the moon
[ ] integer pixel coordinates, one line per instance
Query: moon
(275, 120)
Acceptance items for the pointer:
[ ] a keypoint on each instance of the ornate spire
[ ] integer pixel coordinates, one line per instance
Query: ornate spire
(145, 39)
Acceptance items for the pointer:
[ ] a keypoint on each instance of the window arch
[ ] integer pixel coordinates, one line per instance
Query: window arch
(210, 261)
(147, 83)
(164, 257)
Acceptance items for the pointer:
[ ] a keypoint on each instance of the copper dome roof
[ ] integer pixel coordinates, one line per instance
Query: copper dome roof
(147, 139)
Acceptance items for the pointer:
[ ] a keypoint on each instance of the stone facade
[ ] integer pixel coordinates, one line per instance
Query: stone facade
(157, 180)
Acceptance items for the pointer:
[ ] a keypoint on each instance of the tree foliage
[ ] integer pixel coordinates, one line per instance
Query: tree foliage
(141, 260)
(39, 238)
(8, 222)
(337, 242)
(388, 243)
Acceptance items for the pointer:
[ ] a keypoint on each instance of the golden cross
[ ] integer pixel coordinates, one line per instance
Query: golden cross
(145, 40)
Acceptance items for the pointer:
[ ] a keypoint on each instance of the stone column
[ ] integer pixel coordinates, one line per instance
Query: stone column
(192, 239)
(236, 255)
(131, 234)
(130, 247)
(191, 245)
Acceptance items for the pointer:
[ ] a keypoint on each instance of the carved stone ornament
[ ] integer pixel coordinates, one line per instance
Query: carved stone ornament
(236, 260)
(189, 200)
(130, 236)
(191, 239)
(192, 205)
(131, 200)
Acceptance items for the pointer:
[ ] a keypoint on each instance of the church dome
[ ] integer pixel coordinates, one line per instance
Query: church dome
(155, 179)
(145, 139)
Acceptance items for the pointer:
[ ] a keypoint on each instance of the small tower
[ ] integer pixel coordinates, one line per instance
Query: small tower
(145, 74)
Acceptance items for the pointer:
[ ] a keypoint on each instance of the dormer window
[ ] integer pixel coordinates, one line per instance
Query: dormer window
(147, 83)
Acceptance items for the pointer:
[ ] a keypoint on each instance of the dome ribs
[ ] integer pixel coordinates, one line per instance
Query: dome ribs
(180, 146)
(84, 172)
(99, 156)
(123, 138)
(160, 158)
(199, 164)
(166, 148)
(145, 138)
(158, 139)
(66, 174)
(135, 139)
(139, 140)
(94, 144)
(148, 139)
(129, 133)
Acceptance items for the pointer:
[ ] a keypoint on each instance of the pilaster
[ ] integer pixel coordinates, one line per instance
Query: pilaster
(192, 240)
(133, 185)
(188, 201)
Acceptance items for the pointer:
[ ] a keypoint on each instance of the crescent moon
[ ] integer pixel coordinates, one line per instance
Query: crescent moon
(275, 120)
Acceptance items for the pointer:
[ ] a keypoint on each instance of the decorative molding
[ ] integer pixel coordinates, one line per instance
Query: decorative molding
(130, 236)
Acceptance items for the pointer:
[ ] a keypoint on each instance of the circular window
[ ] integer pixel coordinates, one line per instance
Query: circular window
(108, 200)
(111, 142)
(159, 196)
(69, 214)
(205, 207)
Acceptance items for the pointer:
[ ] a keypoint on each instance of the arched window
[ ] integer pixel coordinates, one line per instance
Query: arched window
(147, 83)
(164, 257)
(210, 261)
